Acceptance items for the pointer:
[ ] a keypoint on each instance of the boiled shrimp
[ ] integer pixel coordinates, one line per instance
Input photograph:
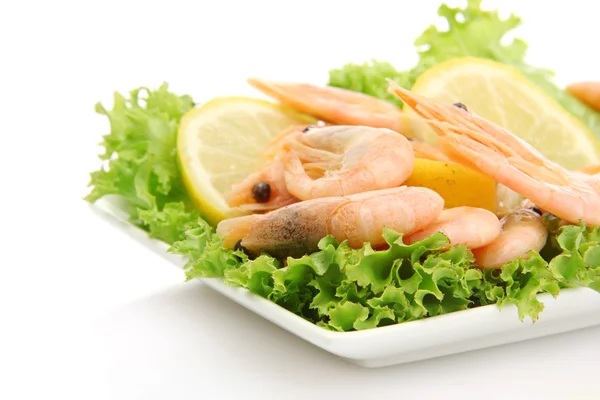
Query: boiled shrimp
(471, 226)
(587, 92)
(522, 231)
(296, 229)
(334, 105)
(327, 161)
(486, 147)
(343, 160)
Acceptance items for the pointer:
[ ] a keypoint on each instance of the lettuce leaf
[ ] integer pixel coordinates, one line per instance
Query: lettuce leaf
(344, 289)
(370, 78)
(140, 161)
(472, 32)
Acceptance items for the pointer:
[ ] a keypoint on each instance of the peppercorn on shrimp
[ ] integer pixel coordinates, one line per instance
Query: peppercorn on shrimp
(481, 145)
(472, 226)
(296, 229)
(522, 231)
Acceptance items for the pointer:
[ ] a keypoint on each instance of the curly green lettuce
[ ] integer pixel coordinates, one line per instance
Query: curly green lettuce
(472, 32)
(344, 289)
(140, 157)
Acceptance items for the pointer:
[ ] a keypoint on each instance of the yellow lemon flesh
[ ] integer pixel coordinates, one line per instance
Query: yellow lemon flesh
(458, 185)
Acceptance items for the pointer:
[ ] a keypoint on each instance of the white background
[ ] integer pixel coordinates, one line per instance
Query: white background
(88, 313)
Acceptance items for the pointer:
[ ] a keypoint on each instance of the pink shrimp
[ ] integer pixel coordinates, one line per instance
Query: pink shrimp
(481, 145)
(522, 231)
(325, 161)
(334, 105)
(343, 160)
(296, 229)
(471, 226)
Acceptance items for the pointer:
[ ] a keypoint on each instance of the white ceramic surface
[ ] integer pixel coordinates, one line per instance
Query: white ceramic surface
(417, 340)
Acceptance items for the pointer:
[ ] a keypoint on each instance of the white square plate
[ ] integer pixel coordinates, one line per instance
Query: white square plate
(410, 341)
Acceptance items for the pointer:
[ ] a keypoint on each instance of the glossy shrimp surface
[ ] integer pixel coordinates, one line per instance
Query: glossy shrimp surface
(296, 229)
(344, 160)
(474, 227)
(479, 144)
(522, 231)
(587, 92)
(334, 105)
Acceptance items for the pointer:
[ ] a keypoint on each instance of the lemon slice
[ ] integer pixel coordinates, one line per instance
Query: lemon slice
(501, 94)
(222, 141)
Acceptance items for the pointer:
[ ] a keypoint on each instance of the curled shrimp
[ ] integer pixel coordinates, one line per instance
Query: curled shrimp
(587, 92)
(342, 160)
(334, 105)
(522, 231)
(296, 229)
(472, 226)
(486, 147)
(328, 161)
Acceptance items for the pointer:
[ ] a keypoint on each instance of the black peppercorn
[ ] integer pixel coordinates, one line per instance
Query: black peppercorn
(261, 192)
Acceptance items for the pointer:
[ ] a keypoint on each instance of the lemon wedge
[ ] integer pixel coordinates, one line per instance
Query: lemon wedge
(503, 95)
(458, 185)
(222, 141)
